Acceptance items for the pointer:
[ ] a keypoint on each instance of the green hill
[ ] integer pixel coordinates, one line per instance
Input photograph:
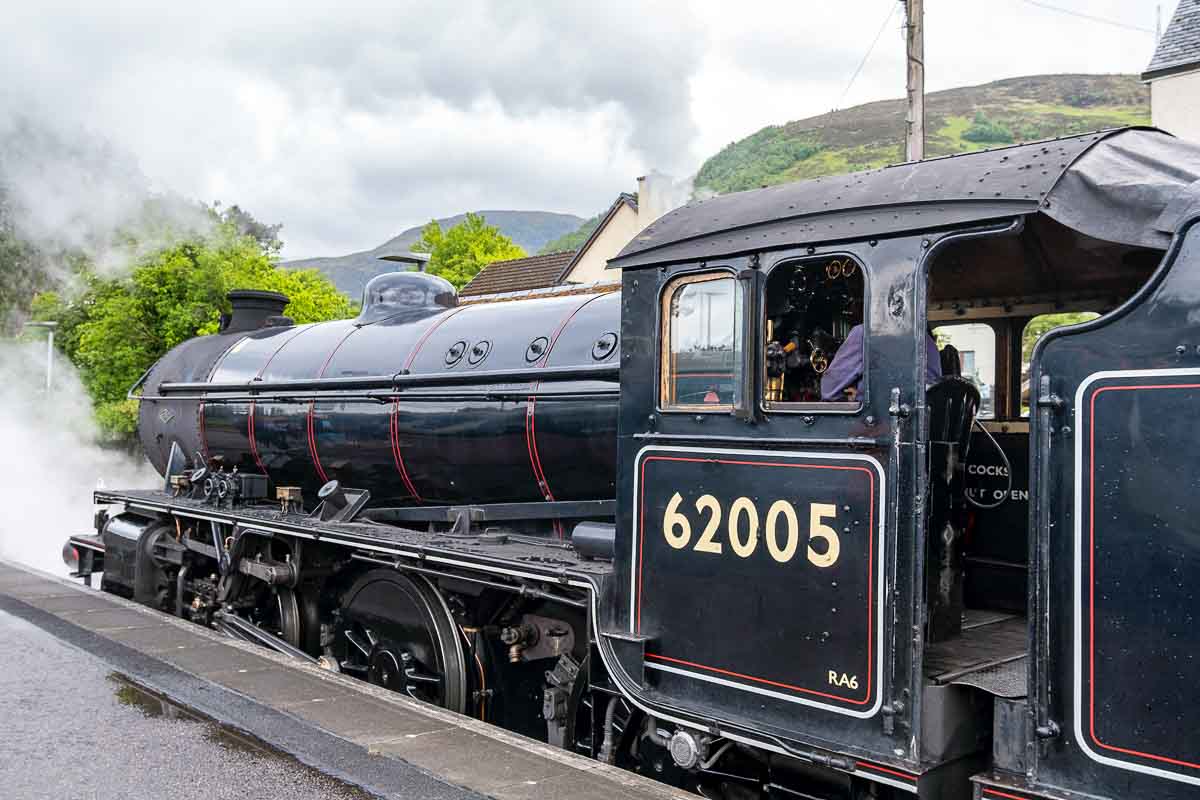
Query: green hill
(350, 273)
(575, 239)
(956, 120)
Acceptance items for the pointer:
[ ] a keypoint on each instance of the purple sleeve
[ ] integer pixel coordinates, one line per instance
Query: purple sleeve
(933, 362)
(846, 369)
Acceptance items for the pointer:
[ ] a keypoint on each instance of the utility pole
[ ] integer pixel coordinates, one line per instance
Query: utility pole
(49, 326)
(914, 28)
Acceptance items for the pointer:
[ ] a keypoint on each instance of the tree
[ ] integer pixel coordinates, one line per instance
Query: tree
(986, 131)
(459, 253)
(24, 270)
(1041, 325)
(116, 328)
(245, 224)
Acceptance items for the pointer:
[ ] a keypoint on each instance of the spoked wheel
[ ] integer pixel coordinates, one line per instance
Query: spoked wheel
(397, 632)
(292, 615)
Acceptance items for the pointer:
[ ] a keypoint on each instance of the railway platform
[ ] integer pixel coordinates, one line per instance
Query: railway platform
(388, 745)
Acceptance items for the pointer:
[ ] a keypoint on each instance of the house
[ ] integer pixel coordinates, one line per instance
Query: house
(617, 227)
(1174, 74)
(626, 218)
(518, 275)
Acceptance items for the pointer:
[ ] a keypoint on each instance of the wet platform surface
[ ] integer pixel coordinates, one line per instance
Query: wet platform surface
(359, 735)
(74, 729)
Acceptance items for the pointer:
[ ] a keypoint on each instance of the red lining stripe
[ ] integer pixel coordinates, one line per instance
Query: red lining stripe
(535, 460)
(988, 792)
(397, 456)
(312, 405)
(412, 356)
(253, 441)
(250, 422)
(312, 444)
(394, 420)
(1092, 572)
(906, 776)
(203, 435)
(870, 570)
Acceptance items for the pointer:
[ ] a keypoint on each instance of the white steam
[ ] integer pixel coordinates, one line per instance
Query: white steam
(71, 192)
(50, 459)
(659, 193)
(68, 193)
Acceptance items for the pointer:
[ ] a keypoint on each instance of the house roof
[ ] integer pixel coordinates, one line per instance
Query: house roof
(518, 274)
(626, 199)
(1179, 48)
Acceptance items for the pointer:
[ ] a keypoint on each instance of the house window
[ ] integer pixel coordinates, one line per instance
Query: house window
(701, 353)
(973, 344)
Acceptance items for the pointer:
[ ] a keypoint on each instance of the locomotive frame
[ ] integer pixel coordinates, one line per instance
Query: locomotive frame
(640, 645)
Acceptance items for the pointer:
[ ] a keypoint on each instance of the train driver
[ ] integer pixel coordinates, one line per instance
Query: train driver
(843, 379)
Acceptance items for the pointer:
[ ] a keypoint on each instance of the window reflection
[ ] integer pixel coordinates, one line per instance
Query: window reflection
(701, 359)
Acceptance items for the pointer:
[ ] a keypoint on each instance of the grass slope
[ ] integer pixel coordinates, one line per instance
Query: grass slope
(350, 273)
(575, 239)
(956, 120)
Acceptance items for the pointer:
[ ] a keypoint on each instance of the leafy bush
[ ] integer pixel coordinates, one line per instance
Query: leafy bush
(985, 130)
(459, 253)
(113, 329)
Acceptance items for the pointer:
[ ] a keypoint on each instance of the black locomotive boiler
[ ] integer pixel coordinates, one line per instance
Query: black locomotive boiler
(740, 525)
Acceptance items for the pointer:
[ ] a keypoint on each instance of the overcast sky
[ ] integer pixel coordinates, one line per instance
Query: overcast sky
(350, 121)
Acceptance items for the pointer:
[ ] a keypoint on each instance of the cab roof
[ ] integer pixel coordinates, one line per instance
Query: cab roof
(1129, 185)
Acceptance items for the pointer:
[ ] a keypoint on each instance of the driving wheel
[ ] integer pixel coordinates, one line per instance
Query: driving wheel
(397, 632)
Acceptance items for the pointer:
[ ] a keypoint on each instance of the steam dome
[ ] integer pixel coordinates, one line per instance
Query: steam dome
(395, 292)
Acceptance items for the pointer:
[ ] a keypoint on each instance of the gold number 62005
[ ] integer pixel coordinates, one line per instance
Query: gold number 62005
(782, 529)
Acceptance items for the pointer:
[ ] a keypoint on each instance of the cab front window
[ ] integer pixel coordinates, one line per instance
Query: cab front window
(701, 358)
(815, 340)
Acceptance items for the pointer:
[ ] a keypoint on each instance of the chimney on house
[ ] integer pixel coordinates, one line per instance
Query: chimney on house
(658, 194)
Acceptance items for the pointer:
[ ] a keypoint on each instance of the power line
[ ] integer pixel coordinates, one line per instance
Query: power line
(1091, 17)
(871, 49)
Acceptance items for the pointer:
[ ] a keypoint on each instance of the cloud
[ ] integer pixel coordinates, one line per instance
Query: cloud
(348, 122)
(347, 125)
(67, 190)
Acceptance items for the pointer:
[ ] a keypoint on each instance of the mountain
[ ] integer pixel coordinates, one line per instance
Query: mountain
(575, 239)
(350, 273)
(956, 120)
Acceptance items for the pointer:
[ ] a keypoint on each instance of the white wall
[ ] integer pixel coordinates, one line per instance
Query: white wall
(657, 194)
(619, 232)
(1175, 104)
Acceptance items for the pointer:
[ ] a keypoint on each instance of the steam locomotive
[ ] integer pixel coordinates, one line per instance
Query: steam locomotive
(634, 522)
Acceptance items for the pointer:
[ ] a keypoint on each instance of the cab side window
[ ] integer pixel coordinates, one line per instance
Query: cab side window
(1035, 329)
(969, 350)
(814, 334)
(702, 347)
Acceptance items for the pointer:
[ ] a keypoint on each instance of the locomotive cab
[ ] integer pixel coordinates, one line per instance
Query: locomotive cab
(849, 466)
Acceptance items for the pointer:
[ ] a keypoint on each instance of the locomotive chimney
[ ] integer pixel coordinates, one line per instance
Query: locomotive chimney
(252, 309)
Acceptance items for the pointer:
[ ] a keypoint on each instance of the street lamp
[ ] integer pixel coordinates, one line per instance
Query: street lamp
(49, 326)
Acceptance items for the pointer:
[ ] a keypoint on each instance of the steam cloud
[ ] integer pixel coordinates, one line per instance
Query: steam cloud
(68, 193)
(51, 462)
(71, 191)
